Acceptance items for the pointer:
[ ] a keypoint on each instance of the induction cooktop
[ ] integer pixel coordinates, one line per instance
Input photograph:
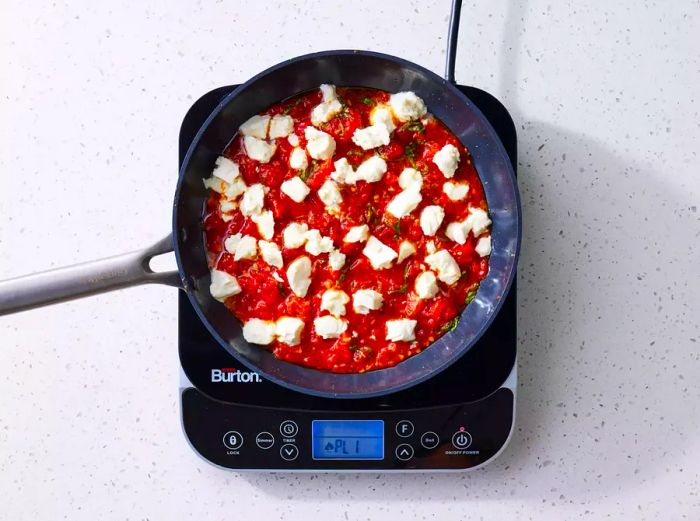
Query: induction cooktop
(458, 420)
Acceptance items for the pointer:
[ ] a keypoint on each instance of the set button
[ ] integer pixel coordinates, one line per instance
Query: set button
(289, 452)
(289, 429)
(461, 439)
(233, 440)
(429, 440)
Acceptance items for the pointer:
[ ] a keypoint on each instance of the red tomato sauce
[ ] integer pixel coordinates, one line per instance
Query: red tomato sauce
(363, 346)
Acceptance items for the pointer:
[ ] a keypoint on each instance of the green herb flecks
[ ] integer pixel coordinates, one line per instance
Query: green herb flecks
(413, 126)
(471, 293)
(397, 229)
(402, 289)
(306, 173)
(410, 153)
(292, 106)
(365, 351)
(344, 108)
(367, 102)
(450, 326)
(405, 270)
(369, 213)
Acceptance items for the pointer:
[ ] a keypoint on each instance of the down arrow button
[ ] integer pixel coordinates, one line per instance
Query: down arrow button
(289, 452)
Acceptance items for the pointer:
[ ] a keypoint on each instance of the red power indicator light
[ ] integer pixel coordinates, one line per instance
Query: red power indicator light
(461, 429)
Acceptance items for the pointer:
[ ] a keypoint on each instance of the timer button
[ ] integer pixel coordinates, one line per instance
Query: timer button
(404, 428)
(430, 440)
(461, 439)
(289, 452)
(289, 429)
(404, 452)
(233, 440)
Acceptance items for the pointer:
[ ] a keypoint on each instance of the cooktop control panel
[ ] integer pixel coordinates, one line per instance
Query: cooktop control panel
(451, 438)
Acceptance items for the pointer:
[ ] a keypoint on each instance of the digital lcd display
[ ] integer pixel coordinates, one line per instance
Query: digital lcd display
(347, 439)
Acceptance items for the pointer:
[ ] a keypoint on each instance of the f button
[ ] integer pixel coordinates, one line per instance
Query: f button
(404, 428)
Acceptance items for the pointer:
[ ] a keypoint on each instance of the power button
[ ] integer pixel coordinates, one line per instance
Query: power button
(461, 439)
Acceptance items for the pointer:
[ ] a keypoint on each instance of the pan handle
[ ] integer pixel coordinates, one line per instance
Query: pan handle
(452, 41)
(89, 278)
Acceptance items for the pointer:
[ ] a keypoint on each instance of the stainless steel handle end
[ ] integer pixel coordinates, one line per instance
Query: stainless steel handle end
(82, 280)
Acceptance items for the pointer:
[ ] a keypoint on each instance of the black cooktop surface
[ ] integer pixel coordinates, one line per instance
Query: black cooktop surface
(479, 373)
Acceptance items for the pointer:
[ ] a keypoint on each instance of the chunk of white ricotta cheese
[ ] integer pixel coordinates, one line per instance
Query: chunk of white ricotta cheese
(298, 159)
(455, 191)
(253, 200)
(295, 189)
(371, 137)
(294, 235)
(336, 260)
(334, 301)
(343, 171)
(328, 108)
(281, 126)
(329, 326)
(225, 169)
(299, 276)
(246, 248)
(431, 218)
(406, 249)
(447, 160)
(266, 224)
(458, 231)
(382, 115)
(371, 170)
(223, 285)
(330, 195)
(357, 234)
(407, 106)
(379, 254)
(235, 188)
(478, 221)
(319, 145)
(410, 177)
(447, 268)
(483, 246)
(366, 300)
(426, 285)
(316, 244)
(256, 127)
(288, 330)
(402, 330)
(271, 253)
(405, 202)
(260, 332)
(258, 149)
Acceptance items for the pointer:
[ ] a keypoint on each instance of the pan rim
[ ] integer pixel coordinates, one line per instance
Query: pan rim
(497, 303)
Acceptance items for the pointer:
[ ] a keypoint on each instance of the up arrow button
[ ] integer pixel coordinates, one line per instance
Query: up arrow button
(404, 452)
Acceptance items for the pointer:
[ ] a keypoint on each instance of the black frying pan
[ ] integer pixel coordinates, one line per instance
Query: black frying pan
(342, 68)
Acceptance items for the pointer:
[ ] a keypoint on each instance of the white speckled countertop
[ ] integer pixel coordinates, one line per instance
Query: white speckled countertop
(606, 101)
